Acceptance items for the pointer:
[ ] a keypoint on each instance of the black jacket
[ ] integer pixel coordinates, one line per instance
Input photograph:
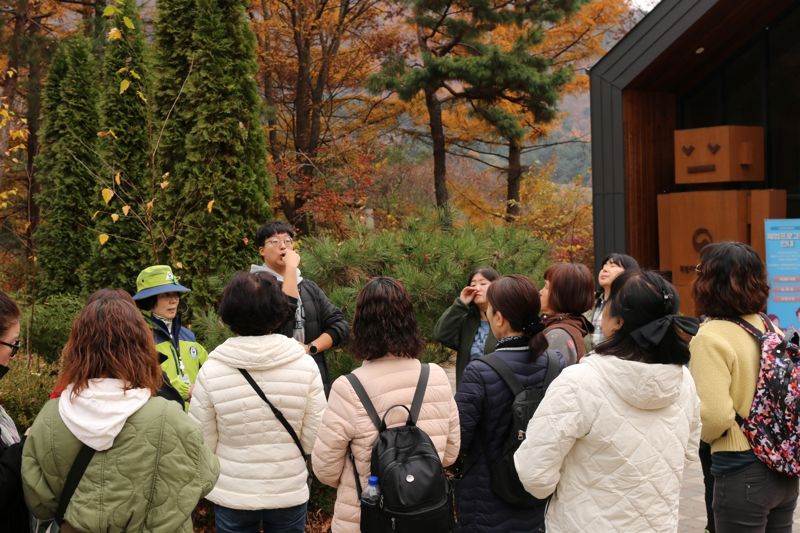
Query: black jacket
(13, 512)
(321, 316)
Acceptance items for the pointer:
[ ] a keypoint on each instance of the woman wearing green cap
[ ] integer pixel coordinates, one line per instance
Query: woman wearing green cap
(158, 295)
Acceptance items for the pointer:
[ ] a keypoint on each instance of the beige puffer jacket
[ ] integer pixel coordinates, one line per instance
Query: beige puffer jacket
(388, 381)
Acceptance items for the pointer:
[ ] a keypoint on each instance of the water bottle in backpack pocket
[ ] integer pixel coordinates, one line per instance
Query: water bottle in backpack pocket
(413, 492)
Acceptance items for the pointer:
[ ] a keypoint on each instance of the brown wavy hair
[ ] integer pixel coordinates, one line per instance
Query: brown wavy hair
(571, 288)
(110, 339)
(731, 281)
(384, 321)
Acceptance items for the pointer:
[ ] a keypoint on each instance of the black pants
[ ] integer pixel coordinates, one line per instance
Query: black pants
(708, 481)
(754, 499)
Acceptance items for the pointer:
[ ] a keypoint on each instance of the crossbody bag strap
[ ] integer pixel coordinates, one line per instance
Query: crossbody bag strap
(74, 477)
(275, 411)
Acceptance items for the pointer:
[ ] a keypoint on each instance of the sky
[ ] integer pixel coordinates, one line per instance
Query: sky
(646, 5)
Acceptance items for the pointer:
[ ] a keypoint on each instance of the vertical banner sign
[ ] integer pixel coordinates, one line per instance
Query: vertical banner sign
(783, 270)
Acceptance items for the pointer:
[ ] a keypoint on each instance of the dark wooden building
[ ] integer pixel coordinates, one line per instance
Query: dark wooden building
(690, 64)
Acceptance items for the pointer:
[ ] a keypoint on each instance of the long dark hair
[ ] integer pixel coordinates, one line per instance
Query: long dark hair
(640, 298)
(517, 299)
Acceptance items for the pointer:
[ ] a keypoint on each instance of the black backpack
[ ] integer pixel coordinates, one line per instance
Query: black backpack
(415, 493)
(502, 472)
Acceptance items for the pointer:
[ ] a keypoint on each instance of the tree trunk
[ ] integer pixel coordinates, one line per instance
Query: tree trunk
(34, 110)
(11, 80)
(514, 177)
(439, 153)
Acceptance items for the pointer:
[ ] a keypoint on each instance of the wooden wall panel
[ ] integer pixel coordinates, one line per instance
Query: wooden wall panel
(649, 122)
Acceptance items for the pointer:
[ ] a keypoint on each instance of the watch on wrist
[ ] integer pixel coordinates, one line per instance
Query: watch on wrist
(312, 349)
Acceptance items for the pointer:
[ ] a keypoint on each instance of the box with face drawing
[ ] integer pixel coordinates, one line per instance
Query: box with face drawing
(719, 154)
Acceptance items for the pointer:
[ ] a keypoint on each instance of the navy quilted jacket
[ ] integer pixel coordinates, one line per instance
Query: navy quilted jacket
(484, 408)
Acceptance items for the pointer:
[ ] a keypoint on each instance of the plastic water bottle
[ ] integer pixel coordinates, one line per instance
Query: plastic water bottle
(372, 493)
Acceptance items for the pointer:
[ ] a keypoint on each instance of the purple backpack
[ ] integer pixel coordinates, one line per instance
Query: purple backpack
(773, 425)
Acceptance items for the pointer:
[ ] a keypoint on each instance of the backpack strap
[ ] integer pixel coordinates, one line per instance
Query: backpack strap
(419, 394)
(505, 373)
(365, 401)
(416, 405)
(275, 411)
(748, 327)
(552, 371)
(74, 477)
(510, 379)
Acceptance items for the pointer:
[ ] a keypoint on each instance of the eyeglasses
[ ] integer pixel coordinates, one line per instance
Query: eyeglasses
(14, 347)
(277, 242)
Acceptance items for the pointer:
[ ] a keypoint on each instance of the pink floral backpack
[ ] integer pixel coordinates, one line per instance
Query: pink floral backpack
(773, 425)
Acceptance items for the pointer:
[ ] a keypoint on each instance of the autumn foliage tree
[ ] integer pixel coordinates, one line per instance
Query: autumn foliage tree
(68, 166)
(120, 244)
(324, 127)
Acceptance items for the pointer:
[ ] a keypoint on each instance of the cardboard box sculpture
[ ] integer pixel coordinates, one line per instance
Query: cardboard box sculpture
(719, 154)
(687, 221)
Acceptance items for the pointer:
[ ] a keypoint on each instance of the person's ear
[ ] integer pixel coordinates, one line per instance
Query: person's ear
(615, 323)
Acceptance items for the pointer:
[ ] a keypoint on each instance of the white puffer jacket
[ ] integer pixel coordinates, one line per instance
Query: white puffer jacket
(610, 439)
(260, 465)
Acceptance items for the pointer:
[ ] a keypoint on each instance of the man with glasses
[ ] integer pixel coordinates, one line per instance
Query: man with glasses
(317, 323)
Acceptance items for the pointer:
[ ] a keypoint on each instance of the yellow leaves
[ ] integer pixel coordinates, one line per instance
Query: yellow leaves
(149, 205)
(210, 205)
(107, 133)
(141, 96)
(135, 75)
(128, 23)
(114, 217)
(114, 34)
(123, 85)
(178, 264)
(94, 215)
(102, 238)
(118, 179)
(126, 209)
(123, 70)
(110, 11)
(164, 184)
(107, 195)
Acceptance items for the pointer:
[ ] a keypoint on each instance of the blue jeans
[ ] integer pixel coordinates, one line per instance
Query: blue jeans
(288, 520)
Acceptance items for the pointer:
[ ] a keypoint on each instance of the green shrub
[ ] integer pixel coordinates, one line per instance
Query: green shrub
(50, 323)
(432, 263)
(24, 391)
(209, 329)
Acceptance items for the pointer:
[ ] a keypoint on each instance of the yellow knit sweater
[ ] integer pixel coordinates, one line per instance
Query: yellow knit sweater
(725, 363)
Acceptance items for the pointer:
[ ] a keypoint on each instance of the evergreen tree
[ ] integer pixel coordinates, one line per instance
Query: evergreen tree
(223, 181)
(172, 114)
(67, 167)
(124, 147)
(459, 60)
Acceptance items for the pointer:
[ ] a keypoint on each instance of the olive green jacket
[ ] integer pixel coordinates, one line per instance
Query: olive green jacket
(150, 480)
(456, 329)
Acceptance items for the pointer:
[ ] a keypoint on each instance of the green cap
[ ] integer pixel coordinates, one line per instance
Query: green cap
(157, 279)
